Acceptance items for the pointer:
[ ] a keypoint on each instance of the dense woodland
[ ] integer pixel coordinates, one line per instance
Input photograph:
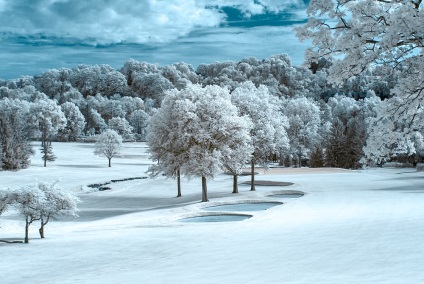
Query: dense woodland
(321, 124)
(356, 101)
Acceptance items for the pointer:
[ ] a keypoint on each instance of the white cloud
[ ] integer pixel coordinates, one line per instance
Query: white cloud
(116, 21)
(106, 21)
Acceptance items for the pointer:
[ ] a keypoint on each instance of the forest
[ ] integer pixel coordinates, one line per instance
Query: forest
(356, 101)
(306, 120)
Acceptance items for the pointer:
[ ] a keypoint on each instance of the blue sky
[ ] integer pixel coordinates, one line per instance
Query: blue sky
(36, 35)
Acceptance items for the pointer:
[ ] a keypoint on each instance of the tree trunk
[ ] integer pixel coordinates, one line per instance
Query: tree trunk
(44, 145)
(204, 190)
(179, 183)
(109, 162)
(27, 223)
(235, 184)
(252, 177)
(41, 231)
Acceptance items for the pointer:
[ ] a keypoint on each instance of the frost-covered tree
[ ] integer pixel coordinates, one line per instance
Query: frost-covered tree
(268, 134)
(29, 200)
(75, 122)
(165, 138)
(7, 199)
(138, 121)
(304, 125)
(363, 34)
(54, 82)
(14, 134)
(48, 118)
(108, 144)
(91, 80)
(349, 130)
(239, 152)
(205, 127)
(58, 203)
(151, 86)
(386, 136)
(122, 127)
(95, 123)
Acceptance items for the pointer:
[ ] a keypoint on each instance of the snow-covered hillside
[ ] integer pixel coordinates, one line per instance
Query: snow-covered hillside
(349, 227)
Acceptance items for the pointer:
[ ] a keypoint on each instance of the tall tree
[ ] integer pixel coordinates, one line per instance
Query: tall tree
(360, 34)
(48, 118)
(75, 122)
(304, 125)
(268, 134)
(14, 134)
(205, 127)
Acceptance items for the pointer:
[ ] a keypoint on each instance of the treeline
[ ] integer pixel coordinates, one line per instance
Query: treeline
(79, 103)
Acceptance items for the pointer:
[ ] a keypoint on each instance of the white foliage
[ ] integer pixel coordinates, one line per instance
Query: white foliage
(109, 144)
(121, 126)
(47, 116)
(59, 202)
(361, 34)
(75, 121)
(269, 124)
(304, 119)
(199, 131)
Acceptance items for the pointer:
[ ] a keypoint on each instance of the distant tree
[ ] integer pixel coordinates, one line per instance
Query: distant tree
(54, 82)
(304, 125)
(48, 118)
(316, 159)
(14, 134)
(151, 86)
(95, 123)
(108, 144)
(138, 121)
(75, 122)
(133, 68)
(91, 80)
(47, 154)
(336, 152)
(122, 127)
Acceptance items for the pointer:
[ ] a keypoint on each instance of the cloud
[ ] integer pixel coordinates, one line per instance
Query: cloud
(106, 21)
(122, 21)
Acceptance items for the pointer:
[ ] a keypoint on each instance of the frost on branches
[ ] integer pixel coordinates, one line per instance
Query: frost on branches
(363, 34)
(268, 133)
(197, 131)
(109, 144)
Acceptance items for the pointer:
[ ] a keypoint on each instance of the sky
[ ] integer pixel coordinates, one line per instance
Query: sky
(36, 35)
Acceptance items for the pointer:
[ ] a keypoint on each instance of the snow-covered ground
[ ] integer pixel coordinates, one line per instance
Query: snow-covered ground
(350, 227)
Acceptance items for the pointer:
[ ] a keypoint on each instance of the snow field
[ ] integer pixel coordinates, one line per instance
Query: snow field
(350, 227)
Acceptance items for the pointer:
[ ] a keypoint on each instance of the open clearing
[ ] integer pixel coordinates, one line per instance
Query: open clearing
(350, 226)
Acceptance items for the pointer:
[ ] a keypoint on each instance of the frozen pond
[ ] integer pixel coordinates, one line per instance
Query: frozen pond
(248, 206)
(217, 218)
